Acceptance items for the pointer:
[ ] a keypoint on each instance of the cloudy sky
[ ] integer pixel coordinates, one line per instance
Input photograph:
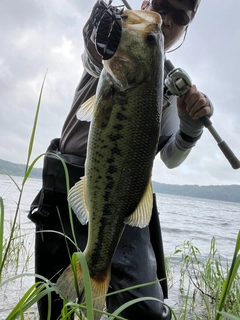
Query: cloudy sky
(39, 36)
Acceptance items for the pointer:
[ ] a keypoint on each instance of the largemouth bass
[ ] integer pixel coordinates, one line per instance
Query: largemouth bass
(125, 119)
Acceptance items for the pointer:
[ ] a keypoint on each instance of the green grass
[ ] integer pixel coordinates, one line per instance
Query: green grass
(208, 287)
(1, 232)
(230, 292)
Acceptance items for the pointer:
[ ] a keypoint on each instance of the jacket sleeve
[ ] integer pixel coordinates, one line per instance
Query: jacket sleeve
(91, 65)
(90, 58)
(176, 128)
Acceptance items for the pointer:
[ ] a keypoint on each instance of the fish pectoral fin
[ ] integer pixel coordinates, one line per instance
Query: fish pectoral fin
(85, 112)
(76, 199)
(142, 215)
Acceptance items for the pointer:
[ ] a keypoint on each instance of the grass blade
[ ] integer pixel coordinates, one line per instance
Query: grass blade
(229, 316)
(87, 283)
(130, 303)
(33, 294)
(230, 277)
(7, 174)
(27, 172)
(67, 188)
(30, 147)
(29, 169)
(1, 233)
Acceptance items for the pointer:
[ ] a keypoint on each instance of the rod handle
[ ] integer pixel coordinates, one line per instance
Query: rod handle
(206, 121)
(228, 153)
(233, 160)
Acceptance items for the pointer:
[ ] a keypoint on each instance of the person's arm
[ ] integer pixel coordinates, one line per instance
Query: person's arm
(91, 59)
(183, 132)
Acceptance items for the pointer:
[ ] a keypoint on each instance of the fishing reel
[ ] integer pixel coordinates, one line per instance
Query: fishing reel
(177, 81)
(106, 20)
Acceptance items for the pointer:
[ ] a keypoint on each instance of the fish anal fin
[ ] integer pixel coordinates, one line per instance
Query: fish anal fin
(66, 283)
(77, 200)
(142, 215)
(85, 112)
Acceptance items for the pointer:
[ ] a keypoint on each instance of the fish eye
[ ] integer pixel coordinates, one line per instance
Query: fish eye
(151, 37)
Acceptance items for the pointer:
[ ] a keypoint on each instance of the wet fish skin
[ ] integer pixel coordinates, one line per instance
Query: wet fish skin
(122, 144)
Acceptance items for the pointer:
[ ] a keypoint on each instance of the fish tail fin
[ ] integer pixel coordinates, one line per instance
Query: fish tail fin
(99, 290)
(99, 284)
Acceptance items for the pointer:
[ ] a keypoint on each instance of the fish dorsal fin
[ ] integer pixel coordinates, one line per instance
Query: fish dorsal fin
(76, 199)
(142, 215)
(85, 112)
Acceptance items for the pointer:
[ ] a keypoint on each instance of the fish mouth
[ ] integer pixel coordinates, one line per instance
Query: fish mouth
(122, 57)
(139, 18)
(118, 73)
(140, 24)
(119, 57)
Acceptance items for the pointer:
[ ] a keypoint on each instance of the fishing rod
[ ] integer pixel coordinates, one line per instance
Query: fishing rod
(178, 83)
(127, 5)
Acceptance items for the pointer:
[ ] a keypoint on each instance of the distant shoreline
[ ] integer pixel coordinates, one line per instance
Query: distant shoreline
(229, 193)
(15, 169)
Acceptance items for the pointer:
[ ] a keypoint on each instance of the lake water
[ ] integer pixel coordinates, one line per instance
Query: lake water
(182, 219)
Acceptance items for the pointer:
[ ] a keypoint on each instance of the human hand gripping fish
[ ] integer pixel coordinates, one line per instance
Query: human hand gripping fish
(125, 120)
